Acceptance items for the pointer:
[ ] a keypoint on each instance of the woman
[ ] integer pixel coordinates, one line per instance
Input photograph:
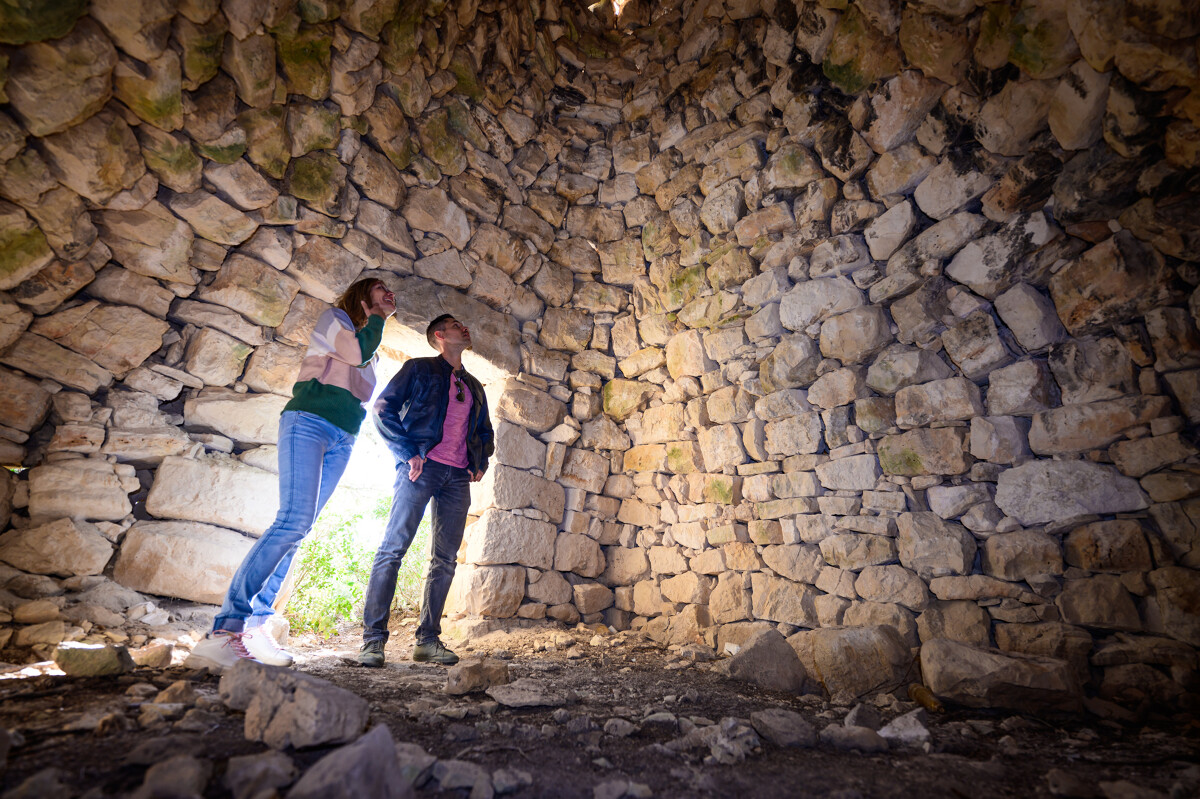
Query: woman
(316, 434)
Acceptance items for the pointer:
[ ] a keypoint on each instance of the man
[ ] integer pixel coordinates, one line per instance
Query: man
(433, 416)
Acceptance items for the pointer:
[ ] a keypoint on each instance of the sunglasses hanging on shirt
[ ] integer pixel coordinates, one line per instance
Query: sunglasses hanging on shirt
(458, 384)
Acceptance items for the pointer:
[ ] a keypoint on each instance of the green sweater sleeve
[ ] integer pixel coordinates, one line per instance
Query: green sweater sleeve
(370, 336)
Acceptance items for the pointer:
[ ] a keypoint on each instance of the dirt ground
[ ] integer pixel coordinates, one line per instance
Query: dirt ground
(90, 728)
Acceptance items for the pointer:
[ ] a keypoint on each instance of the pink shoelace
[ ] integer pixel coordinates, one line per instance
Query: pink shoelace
(234, 642)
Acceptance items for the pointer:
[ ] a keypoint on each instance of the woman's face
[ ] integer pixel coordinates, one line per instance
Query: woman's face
(381, 295)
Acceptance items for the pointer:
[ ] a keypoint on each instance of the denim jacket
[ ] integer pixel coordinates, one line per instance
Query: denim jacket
(410, 411)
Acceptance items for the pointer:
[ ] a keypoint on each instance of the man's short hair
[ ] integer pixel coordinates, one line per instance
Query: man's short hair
(437, 324)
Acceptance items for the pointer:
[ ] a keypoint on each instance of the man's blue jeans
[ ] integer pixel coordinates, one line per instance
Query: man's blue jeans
(449, 489)
(312, 456)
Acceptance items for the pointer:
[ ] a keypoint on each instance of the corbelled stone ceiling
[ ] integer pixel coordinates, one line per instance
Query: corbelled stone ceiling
(871, 323)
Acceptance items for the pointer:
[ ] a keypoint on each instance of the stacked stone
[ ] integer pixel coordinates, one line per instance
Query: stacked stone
(791, 315)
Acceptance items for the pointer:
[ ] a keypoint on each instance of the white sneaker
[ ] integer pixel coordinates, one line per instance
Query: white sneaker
(263, 648)
(218, 651)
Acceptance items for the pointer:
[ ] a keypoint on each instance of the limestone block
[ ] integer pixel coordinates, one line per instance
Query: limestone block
(979, 677)
(688, 588)
(273, 368)
(97, 158)
(1078, 428)
(584, 470)
(899, 366)
(215, 358)
(149, 241)
(549, 587)
(579, 554)
(624, 566)
(64, 548)
(793, 363)
(1031, 317)
(857, 335)
(796, 434)
(214, 491)
(892, 584)
(147, 446)
(1009, 119)
(812, 301)
(1045, 491)
(782, 404)
(1114, 546)
(854, 661)
(853, 551)
(778, 599)
(1175, 596)
(123, 287)
(948, 400)
(958, 620)
(79, 489)
(686, 355)
(566, 329)
(57, 83)
(1100, 601)
(1000, 439)
(766, 660)
(1020, 555)
(487, 590)
(889, 230)
(529, 407)
(160, 558)
(592, 597)
(933, 547)
(730, 600)
(25, 250)
(948, 187)
(499, 537)
(1021, 389)
(507, 488)
(721, 446)
(855, 473)
(23, 403)
(1116, 280)
(975, 346)
(246, 418)
(925, 451)
(432, 211)
(114, 337)
(260, 292)
(798, 562)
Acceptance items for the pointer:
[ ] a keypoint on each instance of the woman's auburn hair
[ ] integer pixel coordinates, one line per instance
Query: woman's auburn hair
(352, 299)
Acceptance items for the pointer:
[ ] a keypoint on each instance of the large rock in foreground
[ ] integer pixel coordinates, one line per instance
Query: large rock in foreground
(161, 557)
(289, 708)
(979, 677)
(767, 661)
(854, 661)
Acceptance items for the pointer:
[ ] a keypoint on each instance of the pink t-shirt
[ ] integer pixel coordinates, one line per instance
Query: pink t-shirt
(452, 449)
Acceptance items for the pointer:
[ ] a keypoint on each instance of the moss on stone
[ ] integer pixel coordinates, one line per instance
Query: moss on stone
(467, 82)
(719, 490)
(225, 150)
(318, 179)
(859, 55)
(266, 139)
(684, 286)
(902, 461)
(202, 46)
(400, 42)
(312, 11)
(20, 247)
(440, 144)
(172, 159)
(24, 21)
(306, 58)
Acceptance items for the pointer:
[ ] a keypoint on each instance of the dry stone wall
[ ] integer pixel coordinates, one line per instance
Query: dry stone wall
(871, 322)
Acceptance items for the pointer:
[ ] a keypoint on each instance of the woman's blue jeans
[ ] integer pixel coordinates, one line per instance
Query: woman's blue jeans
(312, 456)
(448, 488)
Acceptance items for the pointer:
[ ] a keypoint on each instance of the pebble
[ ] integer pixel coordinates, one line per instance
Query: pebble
(860, 739)
(784, 727)
(619, 728)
